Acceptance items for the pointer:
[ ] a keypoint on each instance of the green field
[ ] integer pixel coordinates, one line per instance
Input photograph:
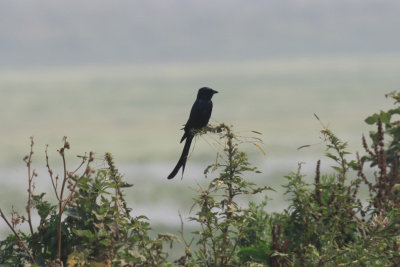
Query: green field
(136, 112)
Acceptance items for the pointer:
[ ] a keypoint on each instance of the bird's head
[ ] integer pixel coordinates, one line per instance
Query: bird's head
(206, 93)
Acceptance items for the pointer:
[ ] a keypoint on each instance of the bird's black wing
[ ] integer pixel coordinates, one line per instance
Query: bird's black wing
(199, 116)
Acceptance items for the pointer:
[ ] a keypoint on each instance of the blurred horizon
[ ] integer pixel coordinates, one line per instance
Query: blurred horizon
(124, 110)
(70, 33)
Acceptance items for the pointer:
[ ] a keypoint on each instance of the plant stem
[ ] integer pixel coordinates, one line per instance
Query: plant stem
(17, 236)
(30, 177)
(60, 204)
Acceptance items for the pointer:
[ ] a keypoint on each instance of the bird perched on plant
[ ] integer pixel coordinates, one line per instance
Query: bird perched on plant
(199, 117)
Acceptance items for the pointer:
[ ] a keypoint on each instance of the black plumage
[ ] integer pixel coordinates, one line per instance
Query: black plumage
(199, 117)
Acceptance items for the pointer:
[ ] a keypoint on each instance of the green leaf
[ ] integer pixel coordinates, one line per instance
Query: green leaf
(372, 119)
(84, 233)
(385, 117)
(303, 146)
(44, 208)
(394, 111)
(338, 169)
(329, 155)
(105, 242)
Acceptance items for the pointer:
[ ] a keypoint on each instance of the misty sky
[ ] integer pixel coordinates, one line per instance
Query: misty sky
(48, 32)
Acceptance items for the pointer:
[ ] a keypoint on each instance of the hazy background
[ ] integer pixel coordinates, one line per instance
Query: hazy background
(121, 76)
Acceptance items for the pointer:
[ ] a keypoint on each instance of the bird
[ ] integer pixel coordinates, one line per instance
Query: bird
(199, 116)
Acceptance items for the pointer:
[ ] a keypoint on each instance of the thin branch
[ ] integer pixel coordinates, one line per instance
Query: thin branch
(60, 204)
(28, 161)
(17, 236)
(181, 232)
(72, 190)
(51, 173)
(84, 158)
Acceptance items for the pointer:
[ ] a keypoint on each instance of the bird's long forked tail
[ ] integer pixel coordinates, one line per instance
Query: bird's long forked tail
(183, 158)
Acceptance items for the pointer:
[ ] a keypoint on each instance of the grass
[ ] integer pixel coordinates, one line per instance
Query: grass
(143, 107)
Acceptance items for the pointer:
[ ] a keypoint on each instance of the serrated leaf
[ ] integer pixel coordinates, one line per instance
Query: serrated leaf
(329, 155)
(385, 117)
(105, 242)
(372, 119)
(84, 233)
(141, 217)
(338, 169)
(394, 111)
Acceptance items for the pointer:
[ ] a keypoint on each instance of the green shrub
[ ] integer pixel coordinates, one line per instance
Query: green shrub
(95, 223)
(221, 219)
(327, 222)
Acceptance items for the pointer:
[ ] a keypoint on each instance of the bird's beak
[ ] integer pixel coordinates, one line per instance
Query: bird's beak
(215, 92)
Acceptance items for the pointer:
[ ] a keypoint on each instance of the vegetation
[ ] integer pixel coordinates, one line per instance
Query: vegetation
(328, 222)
